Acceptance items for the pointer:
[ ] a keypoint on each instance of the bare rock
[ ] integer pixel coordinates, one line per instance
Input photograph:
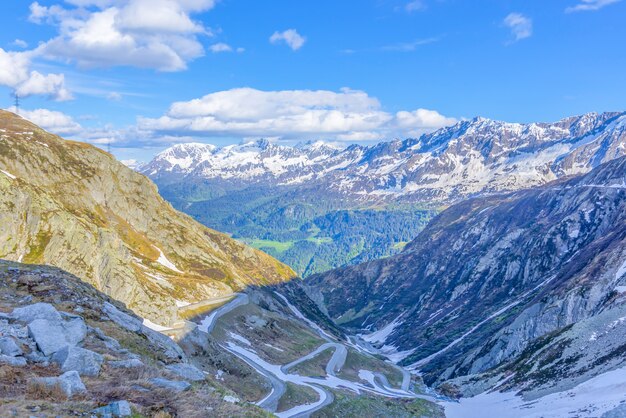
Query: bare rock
(85, 362)
(36, 311)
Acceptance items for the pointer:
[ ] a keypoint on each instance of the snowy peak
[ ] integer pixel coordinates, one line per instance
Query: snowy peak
(474, 156)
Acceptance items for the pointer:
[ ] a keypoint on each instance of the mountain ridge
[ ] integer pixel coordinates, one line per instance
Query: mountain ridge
(74, 206)
(493, 281)
(473, 156)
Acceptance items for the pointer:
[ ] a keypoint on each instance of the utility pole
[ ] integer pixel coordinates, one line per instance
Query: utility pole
(109, 146)
(17, 103)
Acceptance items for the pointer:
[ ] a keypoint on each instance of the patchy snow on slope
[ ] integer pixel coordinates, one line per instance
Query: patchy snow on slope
(589, 399)
(9, 175)
(162, 260)
(153, 326)
(239, 338)
(382, 334)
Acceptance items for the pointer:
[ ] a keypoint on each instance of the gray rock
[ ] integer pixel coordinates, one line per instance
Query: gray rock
(12, 361)
(126, 364)
(172, 350)
(85, 362)
(186, 371)
(176, 385)
(114, 409)
(51, 336)
(69, 382)
(8, 347)
(36, 311)
(121, 318)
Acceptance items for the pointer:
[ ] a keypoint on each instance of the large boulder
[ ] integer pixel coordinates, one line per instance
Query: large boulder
(36, 311)
(53, 335)
(186, 371)
(114, 410)
(68, 382)
(9, 347)
(85, 362)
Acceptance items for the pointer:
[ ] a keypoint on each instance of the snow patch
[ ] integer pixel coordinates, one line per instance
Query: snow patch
(591, 398)
(153, 326)
(239, 338)
(382, 334)
(9, 175)
(162, 260)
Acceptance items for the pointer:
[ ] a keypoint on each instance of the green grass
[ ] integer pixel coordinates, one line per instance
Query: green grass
(278, 246)
(320, 240)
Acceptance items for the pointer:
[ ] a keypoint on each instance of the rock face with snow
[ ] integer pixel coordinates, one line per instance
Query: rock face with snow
(74, 206)
(502, 283)
(472, 157)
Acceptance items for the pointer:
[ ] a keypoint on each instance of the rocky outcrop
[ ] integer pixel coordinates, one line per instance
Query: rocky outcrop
(74, 206)
(68, 382)
(109, 363)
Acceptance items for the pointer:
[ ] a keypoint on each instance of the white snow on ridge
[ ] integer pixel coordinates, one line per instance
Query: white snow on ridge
(162, 260)
(9, 175)
(589, 399)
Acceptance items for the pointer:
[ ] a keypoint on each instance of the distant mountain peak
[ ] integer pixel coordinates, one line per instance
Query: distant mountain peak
(474, 156)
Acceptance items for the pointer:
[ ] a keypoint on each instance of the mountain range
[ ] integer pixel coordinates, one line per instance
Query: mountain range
(315, 206)
(475, 156)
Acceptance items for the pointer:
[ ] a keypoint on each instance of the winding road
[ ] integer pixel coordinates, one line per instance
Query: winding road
(278, 375)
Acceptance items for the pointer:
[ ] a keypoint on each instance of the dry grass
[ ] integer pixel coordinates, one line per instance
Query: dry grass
(40, 391)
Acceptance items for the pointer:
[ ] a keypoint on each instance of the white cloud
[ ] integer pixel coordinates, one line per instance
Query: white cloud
(158, 34)
(15, 73)
(291, 37)
(414, 6)
(590, 5)
(521, 26)
(347, 115)
(52, 121)
(220, 47)
(20, 43)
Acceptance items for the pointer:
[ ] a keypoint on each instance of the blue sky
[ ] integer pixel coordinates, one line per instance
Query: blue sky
(144, 75)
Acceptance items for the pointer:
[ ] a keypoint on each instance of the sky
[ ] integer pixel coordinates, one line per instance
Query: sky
(142, 75)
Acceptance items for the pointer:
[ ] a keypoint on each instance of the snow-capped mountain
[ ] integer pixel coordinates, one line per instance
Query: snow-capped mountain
(253, 161)
(471, 157)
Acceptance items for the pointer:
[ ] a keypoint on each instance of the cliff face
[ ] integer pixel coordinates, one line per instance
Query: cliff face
(74, 206)
(490, 277)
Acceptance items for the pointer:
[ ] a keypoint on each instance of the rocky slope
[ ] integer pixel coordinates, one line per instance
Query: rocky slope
(74, 206)
(518, 283)
(474, 156)
(68, 350)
